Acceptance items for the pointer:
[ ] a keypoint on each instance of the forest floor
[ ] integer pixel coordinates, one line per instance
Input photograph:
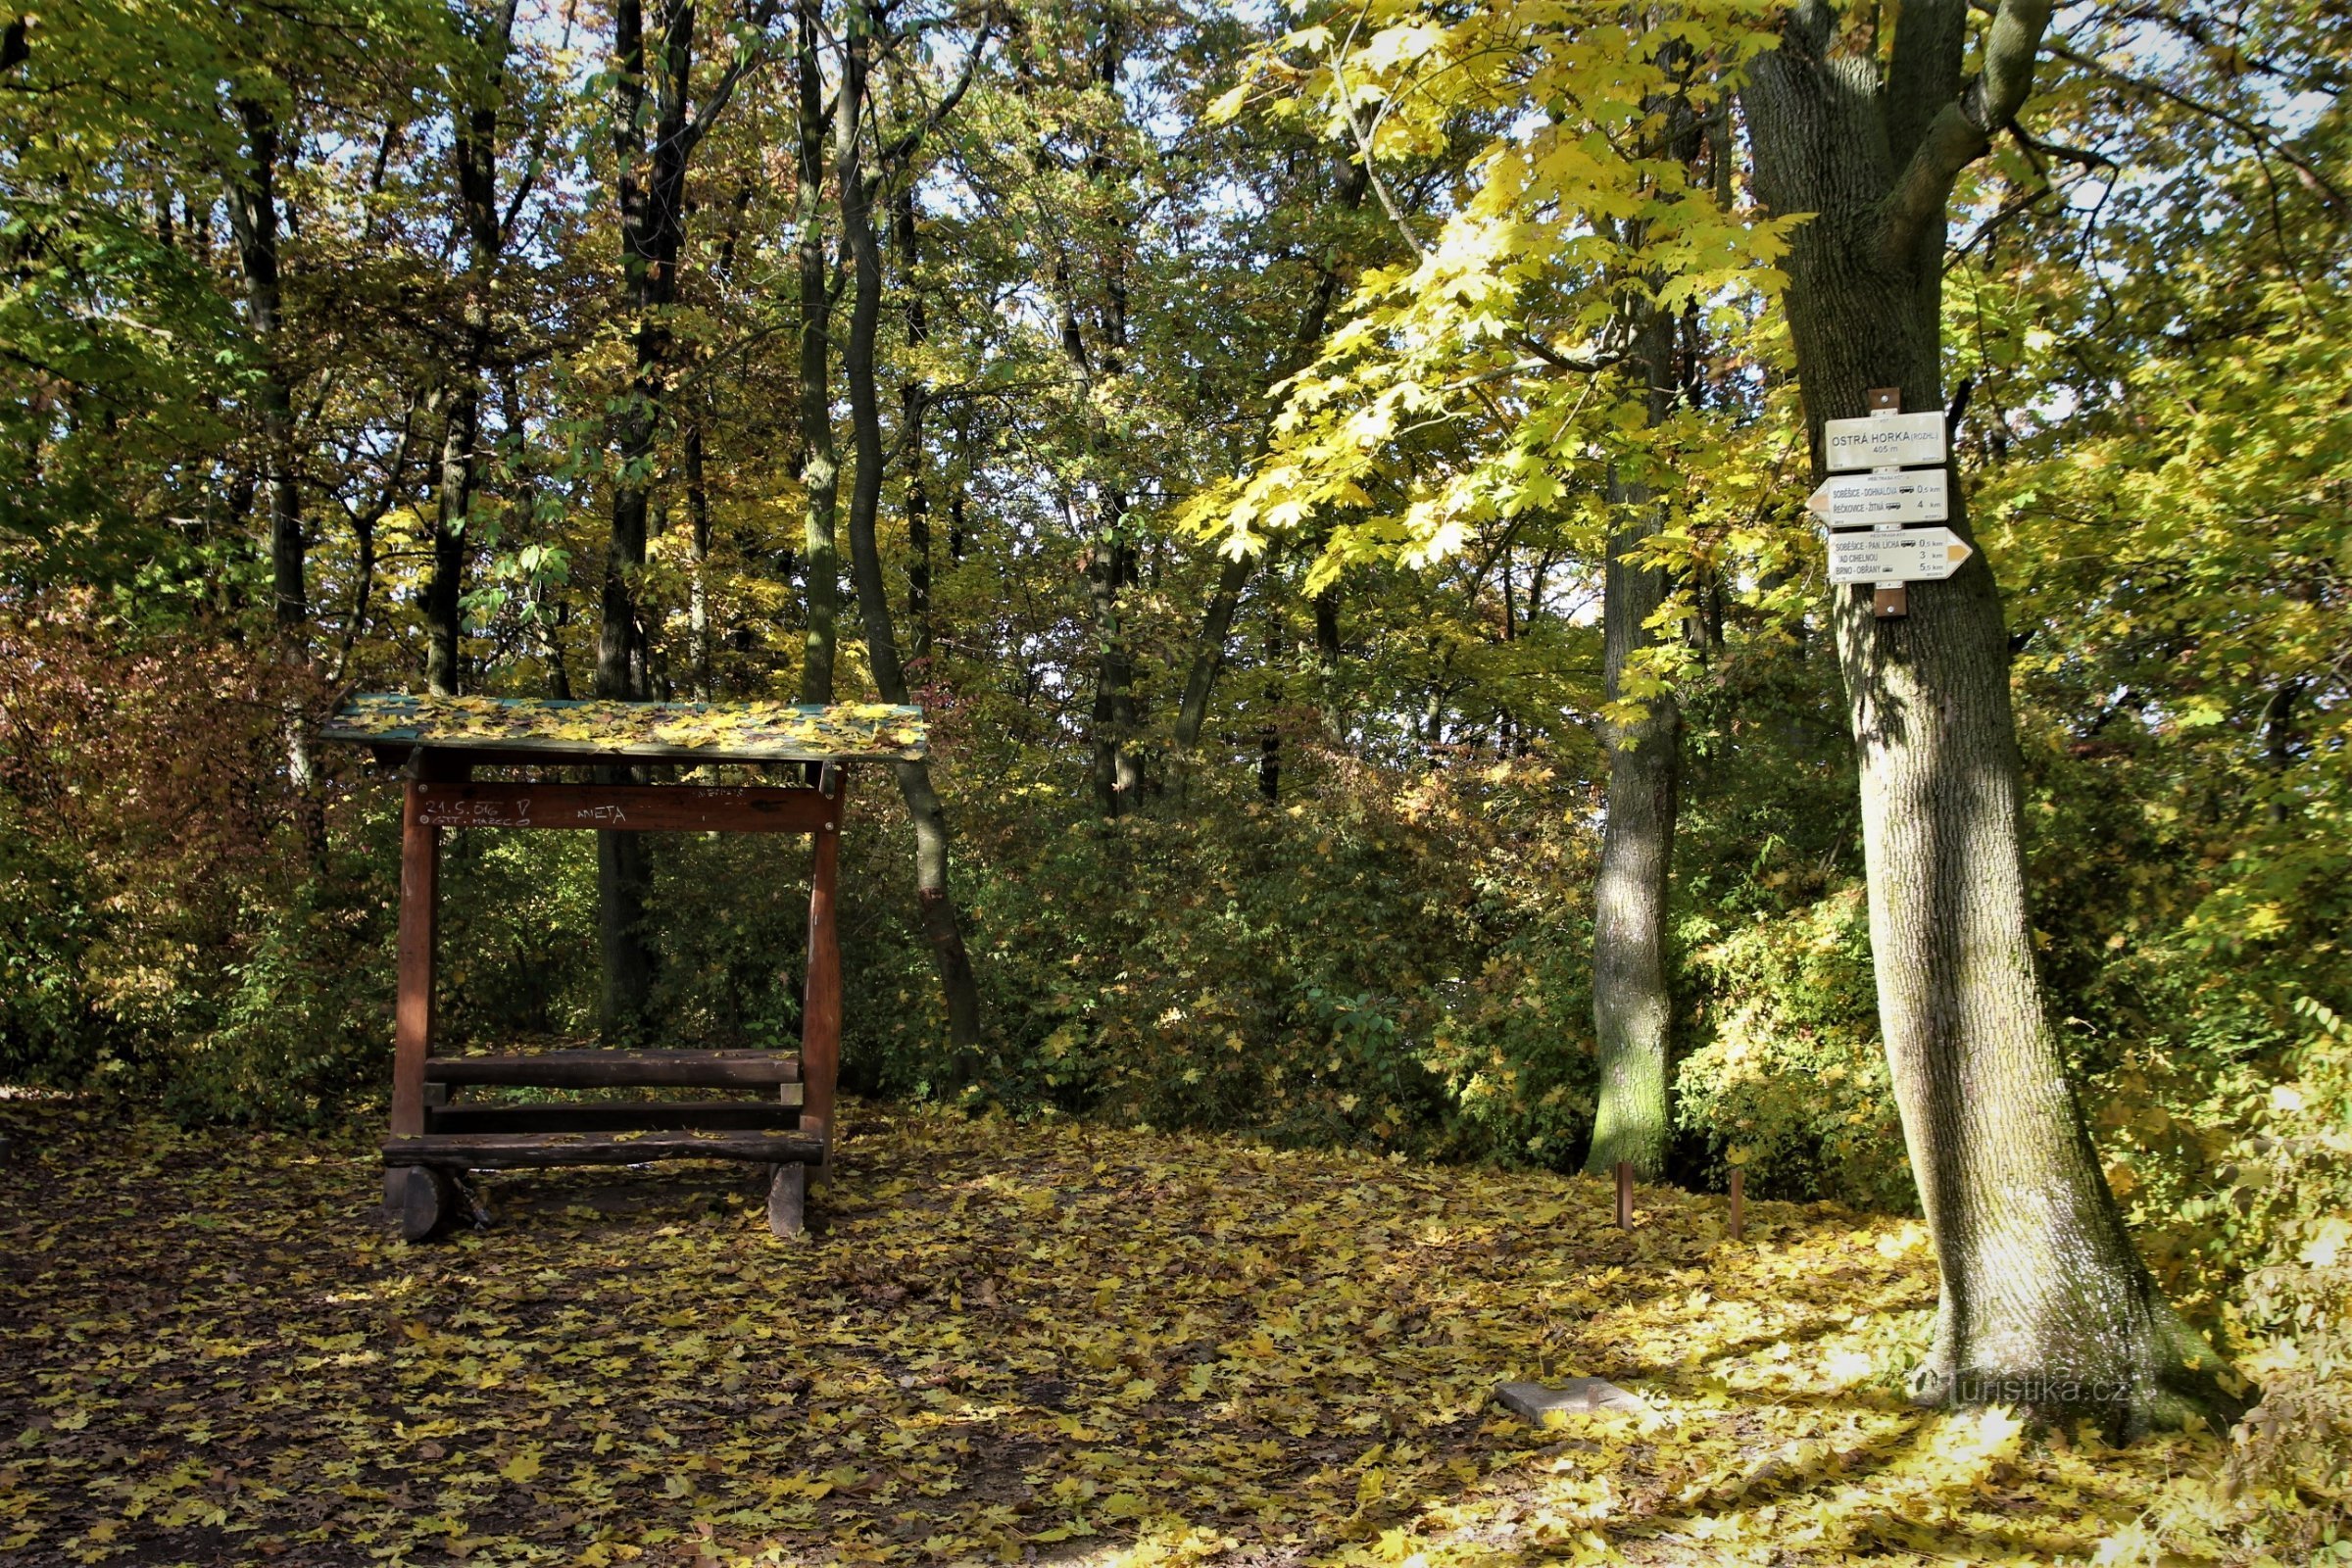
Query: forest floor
(1004, 1343)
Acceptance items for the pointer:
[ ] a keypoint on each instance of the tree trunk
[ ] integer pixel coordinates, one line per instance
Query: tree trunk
(473, 156)
(820, 460)
(652, 189)
(914, 403)
(935, 903)
(698, 556)
(2043, 1301)
(1632, 1010)
(442, 615)
(253, 223)
(1216, 621)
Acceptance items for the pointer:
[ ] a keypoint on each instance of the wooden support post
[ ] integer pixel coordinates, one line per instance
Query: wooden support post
(788, 1199)
(422, 1200)
(820, 1004)
(1888, 601)
(1625, 1194)
(1739, 1200)
(419, 913)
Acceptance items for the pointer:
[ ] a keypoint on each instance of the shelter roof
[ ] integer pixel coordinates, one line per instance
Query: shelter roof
(545, 729)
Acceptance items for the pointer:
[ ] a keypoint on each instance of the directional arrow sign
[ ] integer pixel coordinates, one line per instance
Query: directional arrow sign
(1857, 499)
(1883, 440)
(1916, 554)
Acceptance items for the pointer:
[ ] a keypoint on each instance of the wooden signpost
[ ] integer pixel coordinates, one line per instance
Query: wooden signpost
(1898, 489)
(1867, 499)
(436, 744)
(1903, 554)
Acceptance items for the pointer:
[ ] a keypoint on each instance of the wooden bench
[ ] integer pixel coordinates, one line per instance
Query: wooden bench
(436, 744)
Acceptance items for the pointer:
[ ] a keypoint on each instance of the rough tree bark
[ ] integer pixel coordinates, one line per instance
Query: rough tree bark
(1633, 1011)
(1632, 1008)
(2043, 1301)
(859, 185)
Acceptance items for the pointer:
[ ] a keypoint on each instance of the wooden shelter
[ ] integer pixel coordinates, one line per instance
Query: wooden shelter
(436, 744)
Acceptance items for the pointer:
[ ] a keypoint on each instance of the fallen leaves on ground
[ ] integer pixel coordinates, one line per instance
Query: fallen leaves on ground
(1004, 1343)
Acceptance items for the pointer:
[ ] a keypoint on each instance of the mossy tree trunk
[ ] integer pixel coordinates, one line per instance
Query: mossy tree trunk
(1632, 1010)
(2043, 1304)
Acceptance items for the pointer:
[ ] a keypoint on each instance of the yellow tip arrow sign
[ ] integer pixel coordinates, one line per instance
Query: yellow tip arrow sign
(1885, 556)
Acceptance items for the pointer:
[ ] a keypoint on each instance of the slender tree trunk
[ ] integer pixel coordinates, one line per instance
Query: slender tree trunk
(1216, 621)
(820, 460)
(914, 403)
(1632, 1011)
(934, 900)
(254, 222)
(2043, 1301)
(652, 144)
(442, 615)
(698, 550)
(1269, 735)
(473, 156)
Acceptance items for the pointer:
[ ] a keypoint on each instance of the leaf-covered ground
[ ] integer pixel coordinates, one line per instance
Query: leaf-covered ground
(1004, 1343)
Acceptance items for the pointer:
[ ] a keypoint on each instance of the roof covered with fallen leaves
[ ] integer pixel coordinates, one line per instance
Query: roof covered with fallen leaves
(705, 732)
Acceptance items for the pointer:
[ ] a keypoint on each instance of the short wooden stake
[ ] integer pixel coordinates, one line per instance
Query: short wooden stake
(1625, 1194)
(1738, 1201)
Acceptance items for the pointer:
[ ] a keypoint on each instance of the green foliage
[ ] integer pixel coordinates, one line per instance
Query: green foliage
(1367, 967)
(1788, 1076)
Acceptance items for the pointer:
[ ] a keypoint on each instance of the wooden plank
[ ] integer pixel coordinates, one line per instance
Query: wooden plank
(821, 998)
(504, 1151)
(412, 1012)
(615, 1069)
(627, 808)
(616, 1116)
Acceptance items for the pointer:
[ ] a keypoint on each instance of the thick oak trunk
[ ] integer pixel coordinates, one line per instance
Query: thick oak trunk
(2043, 1301)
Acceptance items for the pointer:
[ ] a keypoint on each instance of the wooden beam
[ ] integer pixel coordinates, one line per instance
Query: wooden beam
(629, 807)
(621, 1117)
(502, 1151)
(614, 1069)
(821, 996)
(419, 913)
